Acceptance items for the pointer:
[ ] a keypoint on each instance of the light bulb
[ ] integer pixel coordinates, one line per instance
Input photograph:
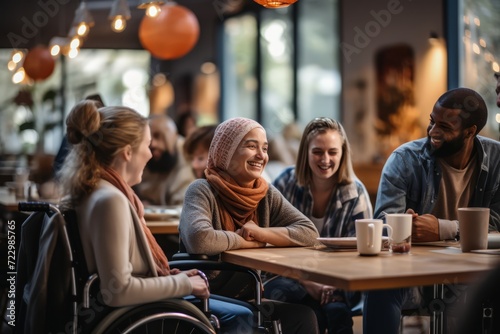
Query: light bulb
(495, 66)
(72, 53)
(75, 43)
(153, 10)
(119, 24)
(17, 56)
(55, 50)
(83, 29)
(19, 76)
(11, 65)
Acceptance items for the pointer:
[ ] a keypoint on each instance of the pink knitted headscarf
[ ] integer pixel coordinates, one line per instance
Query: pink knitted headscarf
(227, 137)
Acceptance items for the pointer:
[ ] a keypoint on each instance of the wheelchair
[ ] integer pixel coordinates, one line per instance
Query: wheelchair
(56, 294)
(248, 279)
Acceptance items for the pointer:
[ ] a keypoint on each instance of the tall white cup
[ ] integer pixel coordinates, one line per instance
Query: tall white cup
(369, 235)
(21, 182)
(401, 223)
(473, 226)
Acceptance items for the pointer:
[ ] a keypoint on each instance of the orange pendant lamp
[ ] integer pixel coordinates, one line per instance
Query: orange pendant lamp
(275, 3)
(171, 34)
(39, 63)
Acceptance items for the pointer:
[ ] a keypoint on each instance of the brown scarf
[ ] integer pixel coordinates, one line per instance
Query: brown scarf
(237, 205)
(159, 257)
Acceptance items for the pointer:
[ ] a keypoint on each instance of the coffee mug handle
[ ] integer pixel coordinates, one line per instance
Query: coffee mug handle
(389, 230)
(371, 234)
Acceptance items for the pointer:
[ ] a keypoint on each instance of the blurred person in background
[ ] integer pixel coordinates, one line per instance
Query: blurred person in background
(167, 174)
(196, 148)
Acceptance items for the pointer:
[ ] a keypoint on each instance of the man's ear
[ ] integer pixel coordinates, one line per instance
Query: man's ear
(470, 131)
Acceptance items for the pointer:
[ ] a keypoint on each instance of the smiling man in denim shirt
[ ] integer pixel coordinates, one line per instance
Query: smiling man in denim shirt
(431, 178)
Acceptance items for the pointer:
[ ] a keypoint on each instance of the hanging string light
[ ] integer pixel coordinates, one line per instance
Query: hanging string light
(182, 28)
(57, 45)
(153, 8)
(83, 20)
(120, 13)
(275, 3)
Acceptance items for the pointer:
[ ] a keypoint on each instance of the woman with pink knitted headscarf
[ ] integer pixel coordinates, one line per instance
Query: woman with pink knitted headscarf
(234, 207)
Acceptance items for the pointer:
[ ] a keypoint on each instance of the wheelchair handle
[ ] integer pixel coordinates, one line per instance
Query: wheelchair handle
(206, 306)
(34, 206)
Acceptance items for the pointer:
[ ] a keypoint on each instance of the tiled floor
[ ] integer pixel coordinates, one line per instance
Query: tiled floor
(411, 325)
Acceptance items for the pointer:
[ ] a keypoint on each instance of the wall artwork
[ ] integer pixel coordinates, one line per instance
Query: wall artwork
(397, 118)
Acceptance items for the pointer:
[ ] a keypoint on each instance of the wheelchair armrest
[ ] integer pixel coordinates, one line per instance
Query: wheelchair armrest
(186, 261)
(91, 281)
(212, 265)
(225, 266)
(187, 256)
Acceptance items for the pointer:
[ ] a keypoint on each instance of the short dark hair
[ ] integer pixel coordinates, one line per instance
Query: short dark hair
(472, 105)
(201, 137)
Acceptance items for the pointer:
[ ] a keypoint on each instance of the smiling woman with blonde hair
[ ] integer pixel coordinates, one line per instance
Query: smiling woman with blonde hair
(324, 187)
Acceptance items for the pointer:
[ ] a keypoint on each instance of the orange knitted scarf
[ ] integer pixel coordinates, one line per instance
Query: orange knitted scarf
(159, 256)
(237, 205)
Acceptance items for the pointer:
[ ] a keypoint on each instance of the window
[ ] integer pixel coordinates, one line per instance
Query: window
(480, 54)
(292, 54)
(239, 80)
(119, 76)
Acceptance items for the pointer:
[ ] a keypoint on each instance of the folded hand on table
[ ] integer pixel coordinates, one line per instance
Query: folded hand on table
(249, 231)
(277, 236)
(250, 234)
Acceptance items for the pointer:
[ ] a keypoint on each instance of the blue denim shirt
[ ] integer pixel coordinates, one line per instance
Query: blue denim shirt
(411, 178)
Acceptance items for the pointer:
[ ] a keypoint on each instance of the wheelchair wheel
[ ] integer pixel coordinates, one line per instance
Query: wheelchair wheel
(171, 316)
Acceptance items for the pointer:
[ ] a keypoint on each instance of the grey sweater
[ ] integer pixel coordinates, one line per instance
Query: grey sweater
(201, 229)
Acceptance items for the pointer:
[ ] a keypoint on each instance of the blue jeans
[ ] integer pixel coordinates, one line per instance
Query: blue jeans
(336, 317)
(382, 311)
(233, 318)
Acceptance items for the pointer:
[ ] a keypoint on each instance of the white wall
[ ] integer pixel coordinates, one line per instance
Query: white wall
(384, 23)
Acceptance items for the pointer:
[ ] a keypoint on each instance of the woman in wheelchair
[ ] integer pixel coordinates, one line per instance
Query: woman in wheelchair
(110, 150)
(234, 207)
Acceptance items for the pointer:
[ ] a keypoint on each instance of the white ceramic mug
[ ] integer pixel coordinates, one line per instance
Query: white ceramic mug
(400, 241)
(473, 226)
(369, 235)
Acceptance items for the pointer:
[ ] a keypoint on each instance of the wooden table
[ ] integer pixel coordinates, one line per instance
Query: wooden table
(164, 227)
(348, 270)
(8, 199)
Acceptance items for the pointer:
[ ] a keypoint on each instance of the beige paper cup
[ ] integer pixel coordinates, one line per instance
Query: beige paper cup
(473, 226)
